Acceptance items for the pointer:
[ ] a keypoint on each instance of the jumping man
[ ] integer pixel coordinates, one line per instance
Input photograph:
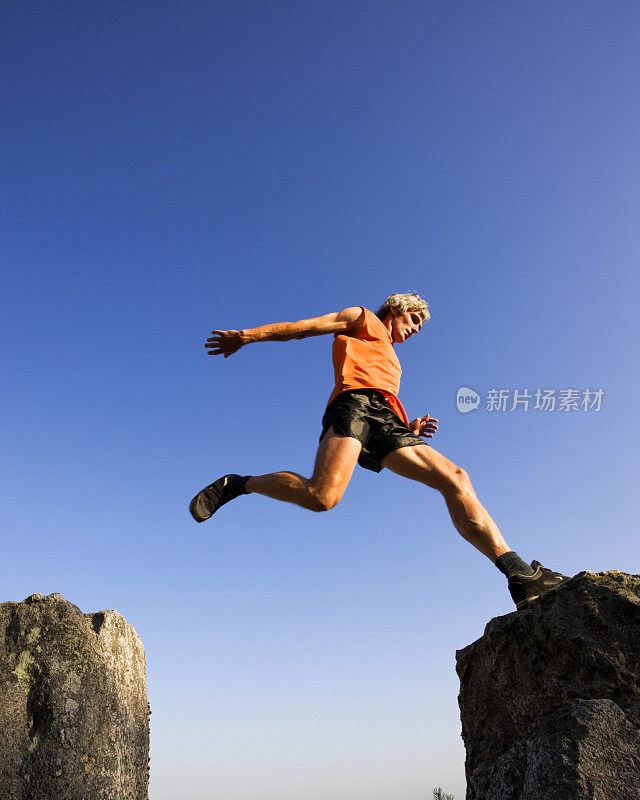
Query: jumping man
(366, 423)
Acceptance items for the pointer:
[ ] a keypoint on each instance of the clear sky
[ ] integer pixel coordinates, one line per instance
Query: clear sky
(169, 168)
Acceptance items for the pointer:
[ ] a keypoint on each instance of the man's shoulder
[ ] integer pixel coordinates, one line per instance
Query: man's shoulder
(370, 327)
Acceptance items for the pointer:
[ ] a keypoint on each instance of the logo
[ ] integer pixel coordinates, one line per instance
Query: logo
(467, 400)
(538, 400)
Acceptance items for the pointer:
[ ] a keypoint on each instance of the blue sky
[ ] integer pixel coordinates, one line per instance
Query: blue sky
(170, 168)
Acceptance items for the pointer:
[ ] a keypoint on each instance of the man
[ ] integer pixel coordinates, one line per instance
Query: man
(366, 423)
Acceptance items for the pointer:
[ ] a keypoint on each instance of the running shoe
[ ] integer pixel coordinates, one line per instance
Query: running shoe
(525, 588)
(209, 499)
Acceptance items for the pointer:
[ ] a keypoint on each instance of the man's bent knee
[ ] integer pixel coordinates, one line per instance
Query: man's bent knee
(323, 500)
(459, 481)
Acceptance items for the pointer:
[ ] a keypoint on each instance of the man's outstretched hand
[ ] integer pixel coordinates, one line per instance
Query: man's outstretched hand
(424, 426)
(224, 343)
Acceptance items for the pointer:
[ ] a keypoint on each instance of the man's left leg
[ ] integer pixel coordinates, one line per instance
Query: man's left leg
(470, 518)
(473, 522)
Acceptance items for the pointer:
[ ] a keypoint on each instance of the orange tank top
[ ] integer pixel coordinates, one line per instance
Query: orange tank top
(365, 359)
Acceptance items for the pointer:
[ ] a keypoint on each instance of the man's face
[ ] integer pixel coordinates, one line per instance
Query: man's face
(405, 325)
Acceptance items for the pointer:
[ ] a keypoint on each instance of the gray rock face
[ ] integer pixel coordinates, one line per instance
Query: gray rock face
(550, 696)
(74, 721)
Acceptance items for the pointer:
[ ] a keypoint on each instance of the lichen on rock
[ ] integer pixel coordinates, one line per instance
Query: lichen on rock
(73, 710)
(550, 696)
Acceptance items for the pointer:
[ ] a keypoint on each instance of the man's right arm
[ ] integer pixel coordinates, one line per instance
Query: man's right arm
(228, 342)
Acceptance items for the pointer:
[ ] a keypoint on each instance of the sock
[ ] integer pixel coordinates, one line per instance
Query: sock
(511, 564)
(244, 484)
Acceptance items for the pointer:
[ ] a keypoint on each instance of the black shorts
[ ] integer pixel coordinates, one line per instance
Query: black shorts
(364, 415)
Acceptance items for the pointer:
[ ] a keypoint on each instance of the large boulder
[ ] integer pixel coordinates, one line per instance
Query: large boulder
(73, 704)
(550, 696)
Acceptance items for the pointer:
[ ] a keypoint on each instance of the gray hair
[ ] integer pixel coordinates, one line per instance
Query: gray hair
(404, 302)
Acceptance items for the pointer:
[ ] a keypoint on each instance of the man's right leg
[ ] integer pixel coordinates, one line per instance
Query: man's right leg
(335, 461)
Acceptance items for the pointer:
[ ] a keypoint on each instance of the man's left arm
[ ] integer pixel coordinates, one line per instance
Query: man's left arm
(424, 426)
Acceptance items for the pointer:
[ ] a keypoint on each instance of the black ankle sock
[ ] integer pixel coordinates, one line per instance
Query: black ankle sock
(244, 484)
(511, 564)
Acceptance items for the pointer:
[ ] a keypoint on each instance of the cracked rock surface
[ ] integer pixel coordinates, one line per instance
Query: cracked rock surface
(550, 696)
(73, 704)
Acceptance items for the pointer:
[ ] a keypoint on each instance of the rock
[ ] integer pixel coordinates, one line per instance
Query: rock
(73, 704)
(550, 696)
